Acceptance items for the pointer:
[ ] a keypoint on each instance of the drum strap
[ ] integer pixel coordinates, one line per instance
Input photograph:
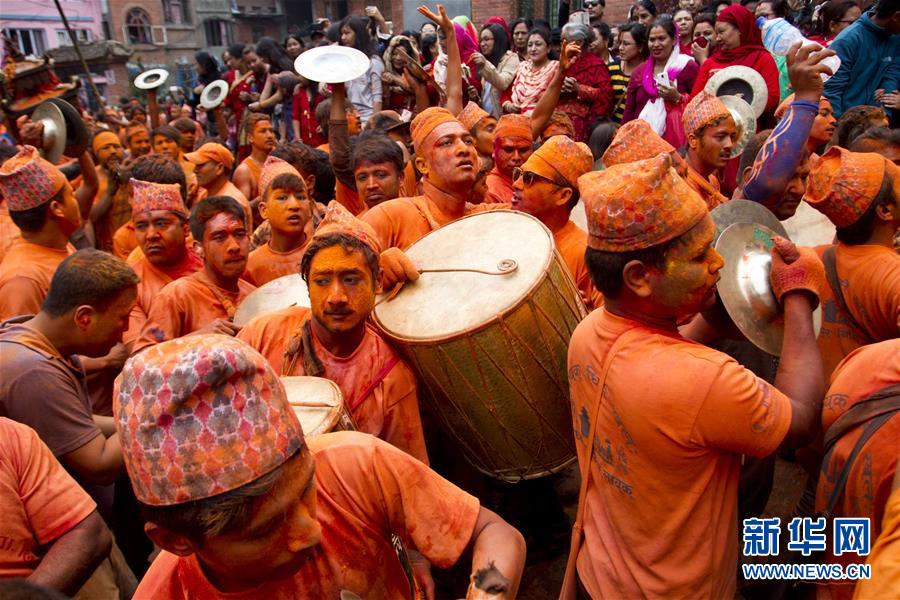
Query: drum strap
(570, 581)
(422, 205)
(301, 346)
(379, 377)
(829, 260)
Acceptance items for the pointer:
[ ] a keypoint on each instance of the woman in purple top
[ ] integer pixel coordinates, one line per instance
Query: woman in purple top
(661, 85)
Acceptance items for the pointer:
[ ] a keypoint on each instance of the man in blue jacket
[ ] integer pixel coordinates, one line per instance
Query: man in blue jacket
(870, 59)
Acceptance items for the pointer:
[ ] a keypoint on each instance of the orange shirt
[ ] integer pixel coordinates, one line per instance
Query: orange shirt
(186, 305)
(365, 491)
(883, 558)
(499, 188)
(255, 171)
(9, 233)
(266, 264)
(870, 281)
(571, 241)
(231, 190)
(864, 372)
(410, 185)
(348, 198)
(40, 501)
(708, 189)
(660, 516)
(389, 411)
(25, 275)
(153, 280)
(124, 240)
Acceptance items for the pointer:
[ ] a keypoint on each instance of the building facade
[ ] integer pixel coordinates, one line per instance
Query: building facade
(36, 26)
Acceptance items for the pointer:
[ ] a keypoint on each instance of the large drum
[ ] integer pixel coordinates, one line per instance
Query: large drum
(283, 292)
(318, 404)
(486, 328)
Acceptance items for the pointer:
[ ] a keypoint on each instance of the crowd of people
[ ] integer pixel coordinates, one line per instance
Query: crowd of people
(148, 445)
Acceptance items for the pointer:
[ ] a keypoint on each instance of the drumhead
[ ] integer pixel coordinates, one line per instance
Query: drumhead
(316, 401)
(441, 305)
(283, 292)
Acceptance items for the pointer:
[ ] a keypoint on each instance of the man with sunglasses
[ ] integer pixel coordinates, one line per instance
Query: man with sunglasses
(595, 10)
(546, 187)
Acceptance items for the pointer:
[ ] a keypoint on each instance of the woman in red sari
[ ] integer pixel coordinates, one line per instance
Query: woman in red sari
(739, 42)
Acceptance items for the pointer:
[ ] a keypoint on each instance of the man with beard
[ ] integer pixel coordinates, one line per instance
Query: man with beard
(110, 208)
(333, 339)
(674, 427)
(262, 142)
(512, 147)
(206, 300)
(137, 141)
(43, 206)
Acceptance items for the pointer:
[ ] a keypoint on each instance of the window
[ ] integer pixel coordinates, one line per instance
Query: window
(218, 32)
(82, 35)
(257, 33)
(137, 27)
(31, 42)
(176, 11)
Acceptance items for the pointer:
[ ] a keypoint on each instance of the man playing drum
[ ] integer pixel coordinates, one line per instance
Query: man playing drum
(547, 188)
(670, 418)
(334, 340)
(274, 515)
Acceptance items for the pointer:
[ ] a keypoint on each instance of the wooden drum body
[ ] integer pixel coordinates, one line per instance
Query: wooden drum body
(491, 348)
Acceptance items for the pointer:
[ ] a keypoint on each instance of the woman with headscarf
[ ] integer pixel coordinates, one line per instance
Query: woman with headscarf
(587, 90)
(397, 94)
(739, 42)
(496, 65)
(533, 75)
(661, 85)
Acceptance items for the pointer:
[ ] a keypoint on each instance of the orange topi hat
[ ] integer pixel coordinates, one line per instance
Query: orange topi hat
(427, 121)
(272, 168)
(638, 205)
(703, 109)
(27, 180)
(560, 159)
(635, 140)
(340, 220)
(513, 126)
(471, 115)
(843, 184)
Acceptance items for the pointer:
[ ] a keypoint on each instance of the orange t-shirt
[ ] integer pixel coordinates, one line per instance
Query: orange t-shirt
(266, 264)
(398, 222)
(571, 241)
(231, 190)
(410, 185)
(9, 233)
(709, 189)
(865, 371)
(390, 411)
(660, 516)
(153, 280)
(870, 281)
(499, 188)
(124, 240)
(39, 499)
(25, 275)
(883, 558)
(186, 305)
(348, 198)
(365, 491)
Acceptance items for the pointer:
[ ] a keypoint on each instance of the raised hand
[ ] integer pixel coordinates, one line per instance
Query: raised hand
(569, 56)
(441, 18)
(805, 69)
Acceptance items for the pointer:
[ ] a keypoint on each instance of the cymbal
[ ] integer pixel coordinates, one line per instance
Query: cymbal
(745, 211)
(332, 64)
(214, 94)
(738, 80)
(744, 119)
(53, 141)
(283, 292)
(152, 79)
(745, 289)
(77, 136)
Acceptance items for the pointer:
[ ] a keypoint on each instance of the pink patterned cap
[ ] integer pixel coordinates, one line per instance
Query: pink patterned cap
(27, 180)
(272, 168)
(638, 205)
(338, 219)
(147, 196)
(703, 109)
(199, 416)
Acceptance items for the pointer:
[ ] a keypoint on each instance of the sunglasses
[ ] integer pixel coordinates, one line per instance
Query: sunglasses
(528, 178)
(591, 4)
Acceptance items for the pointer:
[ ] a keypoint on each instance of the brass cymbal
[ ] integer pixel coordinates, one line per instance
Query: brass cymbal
(53, 140)
(214, 94)
(283, 292)
(745, 211)
(745, 120)
(745, 289)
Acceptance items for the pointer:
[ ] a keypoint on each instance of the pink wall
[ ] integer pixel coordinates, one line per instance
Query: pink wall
(42, 14)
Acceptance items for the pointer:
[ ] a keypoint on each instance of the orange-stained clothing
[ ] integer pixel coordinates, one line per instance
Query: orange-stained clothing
(865, 371)
(188, 304)
(231, 190)
(266, 264)
(255, 172)
(709, 189)
(883, 558)
(389, 411)
(125, 241)
(571, 241)
(9, 233)
(365, 491)
(499, 188)
(40, 501)
(153, 280)
(870, 282)
(660, 516)
(410, 184)
(118, 214)
(348, 198)
(25, 275)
